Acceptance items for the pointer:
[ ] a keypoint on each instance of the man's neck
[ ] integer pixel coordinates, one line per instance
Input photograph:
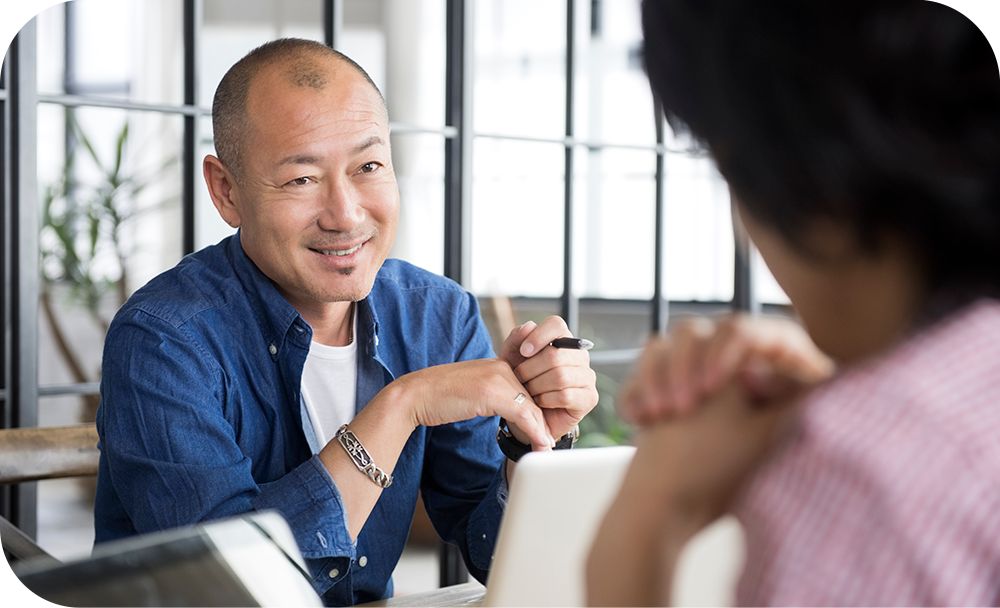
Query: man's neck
(332, 324)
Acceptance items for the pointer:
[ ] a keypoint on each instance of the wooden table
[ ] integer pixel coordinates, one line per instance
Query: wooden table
(466, 594)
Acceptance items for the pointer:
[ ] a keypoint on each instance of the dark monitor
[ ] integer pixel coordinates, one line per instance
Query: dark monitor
(245, 561)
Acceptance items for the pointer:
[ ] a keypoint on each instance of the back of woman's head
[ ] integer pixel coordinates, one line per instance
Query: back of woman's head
(881, 115)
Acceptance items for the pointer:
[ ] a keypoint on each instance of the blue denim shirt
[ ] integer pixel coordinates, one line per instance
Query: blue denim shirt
(201, 417)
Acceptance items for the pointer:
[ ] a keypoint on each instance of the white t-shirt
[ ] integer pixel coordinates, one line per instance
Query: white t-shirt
(329, 386)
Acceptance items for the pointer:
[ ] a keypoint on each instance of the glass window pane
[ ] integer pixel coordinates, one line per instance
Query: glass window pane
(232, 28)
(767, 289)
(517, 218)
(51, 38)
(65, 506)
(612, 98)
(66, 518)
(418, 160)
(364, 37)
(209, 228)
(502, 313)
(698, 231)
(109, 189)
(616, 324)
(401, 44)
(520, 67)
(615, 203)
(602, 426)
(121, 49)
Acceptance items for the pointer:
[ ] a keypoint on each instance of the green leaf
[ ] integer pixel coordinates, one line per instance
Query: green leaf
(95, 231)
(120, 148)
(87, 145)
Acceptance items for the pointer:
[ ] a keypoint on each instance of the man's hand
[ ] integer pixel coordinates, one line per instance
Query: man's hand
(685, 474)
(428, 397)
(559, 380)
(769, 356)
(461, 391)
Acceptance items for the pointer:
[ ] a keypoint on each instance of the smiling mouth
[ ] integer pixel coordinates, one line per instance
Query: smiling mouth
(340, 252)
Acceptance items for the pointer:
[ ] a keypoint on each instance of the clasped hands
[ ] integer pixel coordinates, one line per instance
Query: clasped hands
(712, 397)
(557, 385)
(710, 400)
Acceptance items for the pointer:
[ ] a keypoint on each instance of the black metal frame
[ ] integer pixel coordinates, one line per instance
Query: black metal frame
(454, 112)
(189, 145)
(6, 287)
(20, 266)
(569, 304)
(19, 276)
(661, 308)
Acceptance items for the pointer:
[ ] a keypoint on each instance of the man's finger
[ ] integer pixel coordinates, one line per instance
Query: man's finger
(560, 378)
(526, 421)
(509, 351)
(548, 330)
(576, 400)
(551, 358)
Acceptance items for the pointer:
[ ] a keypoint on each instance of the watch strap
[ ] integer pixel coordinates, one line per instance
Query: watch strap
(514, 449)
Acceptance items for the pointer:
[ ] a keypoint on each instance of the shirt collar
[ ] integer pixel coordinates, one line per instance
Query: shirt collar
(368, 326)
(274, 313)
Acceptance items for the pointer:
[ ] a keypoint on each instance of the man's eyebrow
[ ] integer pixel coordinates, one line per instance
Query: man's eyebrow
(374, 140)
(309, 159)
(299, 159)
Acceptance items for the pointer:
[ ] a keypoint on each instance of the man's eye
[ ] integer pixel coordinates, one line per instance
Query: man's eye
(299, 181)
(369, 167)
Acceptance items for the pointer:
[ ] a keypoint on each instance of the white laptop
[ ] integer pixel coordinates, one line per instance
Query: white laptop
(557, 501)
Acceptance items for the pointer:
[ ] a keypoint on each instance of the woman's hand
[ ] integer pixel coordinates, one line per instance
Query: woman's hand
(768, 356)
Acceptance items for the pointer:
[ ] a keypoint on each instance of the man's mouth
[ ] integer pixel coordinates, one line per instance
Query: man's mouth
(340, 252)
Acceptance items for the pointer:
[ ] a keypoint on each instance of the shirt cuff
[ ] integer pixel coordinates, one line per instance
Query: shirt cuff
(484, 524)
(309, 500)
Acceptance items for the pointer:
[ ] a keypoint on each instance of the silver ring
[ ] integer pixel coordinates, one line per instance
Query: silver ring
(519, 398)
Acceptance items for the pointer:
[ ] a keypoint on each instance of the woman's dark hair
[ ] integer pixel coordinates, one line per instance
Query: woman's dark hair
(881, 115)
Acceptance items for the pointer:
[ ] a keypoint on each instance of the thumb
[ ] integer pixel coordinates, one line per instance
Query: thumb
(510, 351)
(765, 383)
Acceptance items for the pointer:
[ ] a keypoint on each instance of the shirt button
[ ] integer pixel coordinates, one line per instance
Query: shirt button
(334, 573)
(363, 561)
(272, 349)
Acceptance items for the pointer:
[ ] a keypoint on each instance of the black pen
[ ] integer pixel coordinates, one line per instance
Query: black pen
(577, 343)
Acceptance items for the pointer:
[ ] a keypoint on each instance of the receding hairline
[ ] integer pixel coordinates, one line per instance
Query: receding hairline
(305, 66)
(310, 70)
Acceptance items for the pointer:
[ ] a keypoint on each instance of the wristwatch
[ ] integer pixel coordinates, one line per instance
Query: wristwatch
(514, 449)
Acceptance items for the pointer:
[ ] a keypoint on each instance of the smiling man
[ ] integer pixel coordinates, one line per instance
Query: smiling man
(293, 367)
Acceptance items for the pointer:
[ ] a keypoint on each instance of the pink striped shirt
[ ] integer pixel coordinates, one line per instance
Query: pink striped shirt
(889, 493)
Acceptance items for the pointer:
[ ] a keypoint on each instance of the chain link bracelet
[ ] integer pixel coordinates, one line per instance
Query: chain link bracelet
(361, 458)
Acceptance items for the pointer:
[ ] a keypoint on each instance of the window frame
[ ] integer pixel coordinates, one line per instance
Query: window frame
(19, 223)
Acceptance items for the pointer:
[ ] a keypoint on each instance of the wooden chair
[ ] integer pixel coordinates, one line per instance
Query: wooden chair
(34, 454)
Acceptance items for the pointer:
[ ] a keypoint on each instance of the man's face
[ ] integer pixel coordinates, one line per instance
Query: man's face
(317, 199)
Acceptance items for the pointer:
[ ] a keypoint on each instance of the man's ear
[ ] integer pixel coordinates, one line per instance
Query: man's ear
(221, 187)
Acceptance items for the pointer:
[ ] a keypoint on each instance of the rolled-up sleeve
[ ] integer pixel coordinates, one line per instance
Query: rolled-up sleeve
(172, 457)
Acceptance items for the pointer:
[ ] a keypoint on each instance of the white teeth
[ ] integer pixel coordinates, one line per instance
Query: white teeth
(340, 252)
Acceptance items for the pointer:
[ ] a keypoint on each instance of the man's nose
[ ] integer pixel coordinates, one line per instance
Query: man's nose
(342, 207)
